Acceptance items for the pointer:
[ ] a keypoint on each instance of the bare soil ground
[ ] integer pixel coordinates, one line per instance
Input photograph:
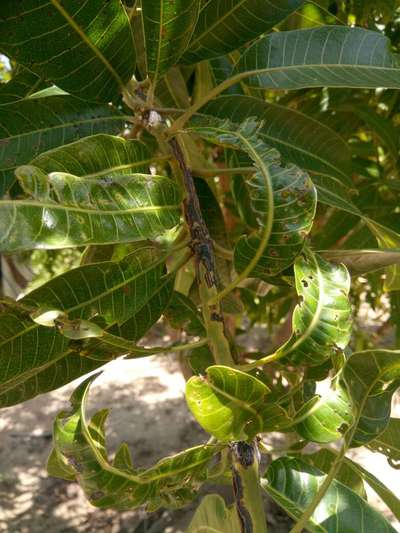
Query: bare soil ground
(149, 413)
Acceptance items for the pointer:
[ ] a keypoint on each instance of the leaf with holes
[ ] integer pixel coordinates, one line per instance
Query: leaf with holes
(63, 210)
(84, 48)
(322, 321)
(172, 482)
(388, 443)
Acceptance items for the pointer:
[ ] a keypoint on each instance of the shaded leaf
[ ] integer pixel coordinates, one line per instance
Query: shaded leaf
(85, 48)
(363, 261)
(22, 85)
(65, 210)
(293, 484)
(238, 22)
(169, 483)
(31, 356)
(300, 139)
(372, 377)
(168, 26)
(327, 56)
(213, 515)
(283, 199)
(32, 126)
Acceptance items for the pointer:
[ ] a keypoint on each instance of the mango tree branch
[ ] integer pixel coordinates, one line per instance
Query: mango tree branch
(202, 247)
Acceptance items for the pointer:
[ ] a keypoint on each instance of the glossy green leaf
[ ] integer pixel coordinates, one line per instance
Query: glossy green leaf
(85, 48)
(63, 210)
(168, 27)
(170, 483)
(322, 321)
(22, 85)
(293, 484)
(328, 419)
(232, 405)
(388, 443)
(300, 139)
(290, 209)
(327, 56)
(32, 126)
(212, 515)
(96, 156)
(225, 25)
(372, 377)
(347, 474)
(32, 356)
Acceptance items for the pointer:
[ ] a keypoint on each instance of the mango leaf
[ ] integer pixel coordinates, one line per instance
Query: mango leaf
(114, 291)
(212, 515)
(363, 261)
(327, 56)
(183, 314)
(377, 486)
(22, 85)
(389, 239)
(328, 419)
(170, 483)
(168, 26)
(388, 443)
(232, 405)
(224, 25)
(322, 321)
(347, 474)
(32, 126)
(86, 49)
(96, 156)
(288, 212)
(293, 484)
(300, 139)
(65, 210)
(371, 377)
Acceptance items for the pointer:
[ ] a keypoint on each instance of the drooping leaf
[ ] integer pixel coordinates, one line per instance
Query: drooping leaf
(363, 261)
(282, 198)
(170, 483)
(31, 355)
(388, 442)
(65, 210)
(32, 126)
(372, 377)
(168, 27)
(328, 419)
(389, 239)
(326, 56)
(96, 156)
(85, 48)
(224, 25)
(293, 484)
(22, 85)
(232, 405)
(212, 515)
(322, 320)
(300, 139)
